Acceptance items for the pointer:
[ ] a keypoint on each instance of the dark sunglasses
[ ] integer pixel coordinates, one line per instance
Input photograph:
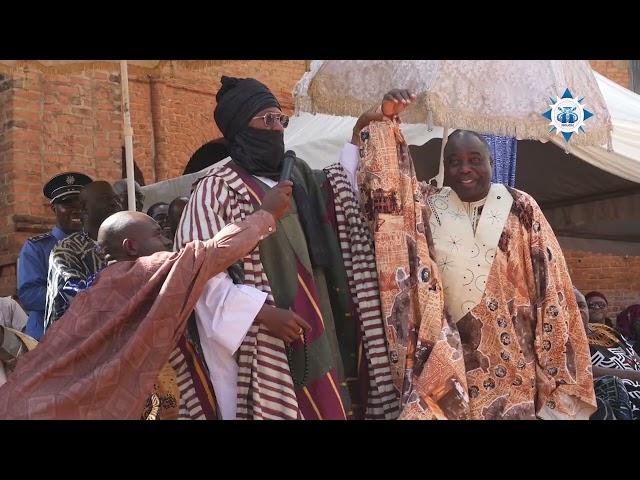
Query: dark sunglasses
(271, 117)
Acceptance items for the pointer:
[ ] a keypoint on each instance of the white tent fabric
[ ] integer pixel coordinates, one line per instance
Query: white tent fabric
(167, 190)
(319, 138)
(624, 107)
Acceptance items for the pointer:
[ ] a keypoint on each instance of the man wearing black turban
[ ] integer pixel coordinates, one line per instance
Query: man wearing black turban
(339, 369)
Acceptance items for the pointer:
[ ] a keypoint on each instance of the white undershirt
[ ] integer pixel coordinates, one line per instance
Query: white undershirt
(270, 183)
(224, 314)
(350, 159)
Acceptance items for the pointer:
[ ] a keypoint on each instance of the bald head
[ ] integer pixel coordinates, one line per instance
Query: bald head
(97, 202)
(461, 136)
(130, 235)
(120, 187)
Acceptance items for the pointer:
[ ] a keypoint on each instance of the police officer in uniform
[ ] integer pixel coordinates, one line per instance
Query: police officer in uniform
(33, 263)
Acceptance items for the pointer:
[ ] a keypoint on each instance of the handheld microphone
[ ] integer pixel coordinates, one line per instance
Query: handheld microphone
(287, 165)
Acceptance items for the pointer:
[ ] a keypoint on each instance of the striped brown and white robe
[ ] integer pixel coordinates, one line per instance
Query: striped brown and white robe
(266, 388)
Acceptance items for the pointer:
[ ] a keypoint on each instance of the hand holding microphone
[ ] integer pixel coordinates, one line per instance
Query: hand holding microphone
(287, 165)
(277, 201)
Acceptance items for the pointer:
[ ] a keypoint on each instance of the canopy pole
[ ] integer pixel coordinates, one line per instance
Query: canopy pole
(128, 136)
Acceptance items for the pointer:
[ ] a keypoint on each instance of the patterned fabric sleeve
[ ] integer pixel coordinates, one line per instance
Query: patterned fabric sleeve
(564, 377)
(66, 272)
(71, 288)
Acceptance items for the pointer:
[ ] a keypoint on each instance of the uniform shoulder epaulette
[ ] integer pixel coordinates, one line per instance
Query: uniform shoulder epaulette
(42, 236)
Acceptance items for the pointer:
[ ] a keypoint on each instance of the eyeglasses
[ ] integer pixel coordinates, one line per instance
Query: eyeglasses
(271, 117)
(597, 305)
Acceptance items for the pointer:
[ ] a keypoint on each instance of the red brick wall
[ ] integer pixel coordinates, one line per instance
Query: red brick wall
(617, 277)
(59, 123)
(53, 123)
(616, 70)
(7, 257)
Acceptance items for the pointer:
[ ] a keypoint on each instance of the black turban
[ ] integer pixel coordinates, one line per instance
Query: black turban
(239, 99)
